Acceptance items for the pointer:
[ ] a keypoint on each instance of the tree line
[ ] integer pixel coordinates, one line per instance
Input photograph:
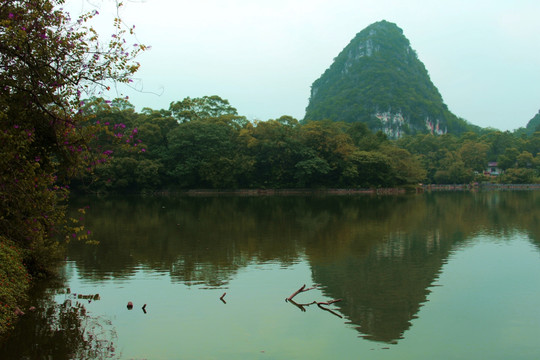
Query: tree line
(204, 143)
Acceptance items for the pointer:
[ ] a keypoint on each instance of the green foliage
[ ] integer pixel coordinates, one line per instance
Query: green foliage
(451, 159)
(379, 72)
(534, 124)
(518, 176)
(474, 155)
(201, 108)
(47, 62)
(406, 168)
(229, 152)
(31, 215)
(202, 153)
(14, 282)
(225, 151)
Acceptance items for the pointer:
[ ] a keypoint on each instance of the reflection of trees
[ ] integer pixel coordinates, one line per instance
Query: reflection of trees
(394, 252)
(379, 254)
(195, 239)
(59, 331)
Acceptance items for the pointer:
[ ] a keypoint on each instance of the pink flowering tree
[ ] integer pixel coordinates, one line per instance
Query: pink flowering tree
(48, 63)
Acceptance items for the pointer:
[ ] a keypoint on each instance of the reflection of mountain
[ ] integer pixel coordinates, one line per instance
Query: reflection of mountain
(379, 254)
(384, 289)
(384, 284)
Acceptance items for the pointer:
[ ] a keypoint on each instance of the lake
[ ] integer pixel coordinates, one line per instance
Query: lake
(428, 276)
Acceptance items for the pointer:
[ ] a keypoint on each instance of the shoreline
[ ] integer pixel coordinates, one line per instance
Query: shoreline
(418, 189)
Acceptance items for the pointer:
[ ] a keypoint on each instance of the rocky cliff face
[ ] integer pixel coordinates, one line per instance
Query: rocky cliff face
(378, 79)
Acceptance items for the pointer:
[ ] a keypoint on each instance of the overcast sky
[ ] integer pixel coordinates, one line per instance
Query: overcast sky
(263, 56)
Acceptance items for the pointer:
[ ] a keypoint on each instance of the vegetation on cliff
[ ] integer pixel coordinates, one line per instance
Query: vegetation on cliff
(533, 125)
(378, 79)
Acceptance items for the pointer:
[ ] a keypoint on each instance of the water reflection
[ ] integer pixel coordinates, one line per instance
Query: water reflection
(380, 255)
(60, 328)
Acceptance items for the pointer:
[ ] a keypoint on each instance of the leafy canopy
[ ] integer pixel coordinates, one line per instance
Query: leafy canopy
(48, 63)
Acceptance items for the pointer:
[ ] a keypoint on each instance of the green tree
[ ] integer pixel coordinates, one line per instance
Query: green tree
(517, 176)
(508, 159)
(453, 170)
(525, 160)
(47, 63)
(474, 155)
(374, 169)
(201, 108)
(202, 153)
(331, 143)
(277, 149)
(406, 168)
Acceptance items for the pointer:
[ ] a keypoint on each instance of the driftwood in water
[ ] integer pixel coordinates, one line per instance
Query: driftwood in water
(320, 304)
(222, 297)
(301, 306)
(302, 289)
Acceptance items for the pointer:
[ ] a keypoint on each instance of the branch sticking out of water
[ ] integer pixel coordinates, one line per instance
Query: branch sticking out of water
(301, 306)
(302, 289)
(320, 304)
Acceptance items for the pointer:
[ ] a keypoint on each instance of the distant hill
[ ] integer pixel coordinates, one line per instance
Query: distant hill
(379, 80)
(534, 124)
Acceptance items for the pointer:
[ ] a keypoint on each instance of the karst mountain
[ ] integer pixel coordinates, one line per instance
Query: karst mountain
(378, 79)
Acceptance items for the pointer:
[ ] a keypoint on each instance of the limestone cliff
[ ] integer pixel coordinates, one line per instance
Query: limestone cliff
(378, 79)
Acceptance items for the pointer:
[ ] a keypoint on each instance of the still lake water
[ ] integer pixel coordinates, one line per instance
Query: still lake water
(431, 276)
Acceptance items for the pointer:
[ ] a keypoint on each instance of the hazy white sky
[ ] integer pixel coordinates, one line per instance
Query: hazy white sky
(263, 56)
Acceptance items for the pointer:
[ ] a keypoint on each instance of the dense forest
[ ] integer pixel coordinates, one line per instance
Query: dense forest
(379, 80)
(205, 143)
